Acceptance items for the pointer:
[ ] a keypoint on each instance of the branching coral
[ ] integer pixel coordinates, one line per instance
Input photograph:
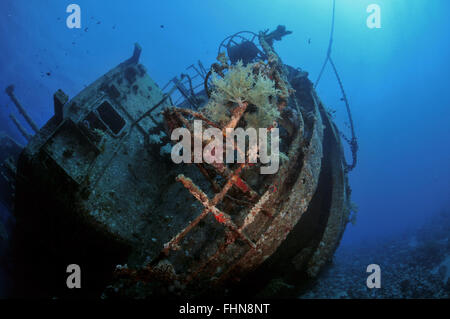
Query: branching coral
(244, 84)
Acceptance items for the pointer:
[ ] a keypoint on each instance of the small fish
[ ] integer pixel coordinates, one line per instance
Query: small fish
(309, 41)
(162, 26)
(48, 73)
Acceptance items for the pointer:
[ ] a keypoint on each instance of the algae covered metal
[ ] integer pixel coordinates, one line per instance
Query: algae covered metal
(96, 186)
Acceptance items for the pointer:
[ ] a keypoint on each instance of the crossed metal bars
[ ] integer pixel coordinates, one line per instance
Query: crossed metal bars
(232, 179)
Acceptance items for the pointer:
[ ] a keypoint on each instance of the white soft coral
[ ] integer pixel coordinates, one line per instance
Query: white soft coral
(241, 84)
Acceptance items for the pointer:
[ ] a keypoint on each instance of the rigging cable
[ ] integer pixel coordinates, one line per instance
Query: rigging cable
(353, 142)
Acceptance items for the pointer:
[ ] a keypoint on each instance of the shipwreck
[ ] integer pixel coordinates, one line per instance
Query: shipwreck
(96, 187)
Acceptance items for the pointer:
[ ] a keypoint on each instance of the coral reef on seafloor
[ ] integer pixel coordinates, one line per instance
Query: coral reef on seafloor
(240, 84)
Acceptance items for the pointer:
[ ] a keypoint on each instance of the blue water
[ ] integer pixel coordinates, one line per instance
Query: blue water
(396, 77)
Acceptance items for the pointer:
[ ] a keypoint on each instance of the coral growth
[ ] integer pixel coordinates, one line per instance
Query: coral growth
(244, 84)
